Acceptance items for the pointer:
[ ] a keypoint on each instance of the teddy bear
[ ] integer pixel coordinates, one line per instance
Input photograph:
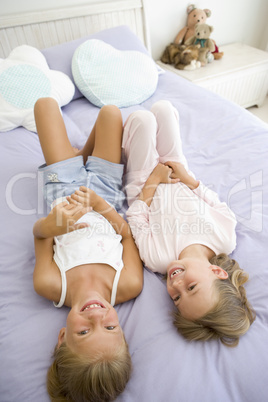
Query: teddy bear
(202, 38)
(195, 16)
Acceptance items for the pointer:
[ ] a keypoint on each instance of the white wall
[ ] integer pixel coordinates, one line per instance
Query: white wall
(233, 20)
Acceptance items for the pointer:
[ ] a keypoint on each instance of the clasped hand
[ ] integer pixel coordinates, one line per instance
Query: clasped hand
(63, 217)
(85, 197)
(163, 174)
(179, 173)
(174, 172)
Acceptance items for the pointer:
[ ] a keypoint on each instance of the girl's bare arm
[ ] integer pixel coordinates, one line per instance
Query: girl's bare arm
(61, 219)
(46, 276)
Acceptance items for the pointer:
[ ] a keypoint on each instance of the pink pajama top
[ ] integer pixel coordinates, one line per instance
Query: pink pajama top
(179, 217)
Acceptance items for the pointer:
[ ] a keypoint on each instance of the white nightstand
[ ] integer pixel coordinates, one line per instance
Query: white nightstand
(240, 76)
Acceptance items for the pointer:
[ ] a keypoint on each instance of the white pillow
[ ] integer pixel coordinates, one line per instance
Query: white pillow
(106, 75)
(25, 77)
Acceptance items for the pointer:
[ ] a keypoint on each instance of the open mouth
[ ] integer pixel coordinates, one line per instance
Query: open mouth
(175, 271)
(92, 305)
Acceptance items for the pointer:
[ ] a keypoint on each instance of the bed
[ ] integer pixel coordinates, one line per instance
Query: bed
(226, 147)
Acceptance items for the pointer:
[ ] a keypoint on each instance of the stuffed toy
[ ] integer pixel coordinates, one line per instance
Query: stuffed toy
(202, 38)
(195, 16)
(187, 59)
(170, 52)
(183, 57)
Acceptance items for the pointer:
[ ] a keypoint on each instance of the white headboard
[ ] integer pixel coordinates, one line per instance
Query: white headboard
(49, 28)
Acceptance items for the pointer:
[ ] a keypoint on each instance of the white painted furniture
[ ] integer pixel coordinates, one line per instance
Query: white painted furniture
(240, 76)
(55, 26)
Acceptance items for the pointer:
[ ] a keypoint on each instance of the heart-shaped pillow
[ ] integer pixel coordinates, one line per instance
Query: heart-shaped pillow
(25, 77)
(107, 76)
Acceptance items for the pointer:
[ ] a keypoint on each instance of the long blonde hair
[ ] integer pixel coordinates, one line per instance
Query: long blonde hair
(76, 378)
(232, 315)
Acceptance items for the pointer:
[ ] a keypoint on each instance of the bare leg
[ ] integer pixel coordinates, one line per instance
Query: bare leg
(52, 132)
(106, 136)
(104, 141)
(108, 131)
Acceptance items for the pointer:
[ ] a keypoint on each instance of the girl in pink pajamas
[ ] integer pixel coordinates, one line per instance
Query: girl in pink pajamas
(183, 230)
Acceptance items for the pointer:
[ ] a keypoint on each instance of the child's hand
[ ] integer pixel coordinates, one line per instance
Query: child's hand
(160, 174)
(163, 174)
(179, 172)
(61, 219)
(84, 196)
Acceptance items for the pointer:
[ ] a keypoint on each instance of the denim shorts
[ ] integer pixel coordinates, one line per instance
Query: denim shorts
(63, 178)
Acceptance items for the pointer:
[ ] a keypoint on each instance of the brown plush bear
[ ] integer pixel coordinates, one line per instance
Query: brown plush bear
(195, 16)
(202, 38)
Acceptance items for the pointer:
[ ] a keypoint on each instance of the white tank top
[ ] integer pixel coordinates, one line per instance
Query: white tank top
(98, 243)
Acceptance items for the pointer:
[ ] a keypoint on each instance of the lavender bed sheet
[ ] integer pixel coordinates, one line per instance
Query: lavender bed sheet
(227, 149)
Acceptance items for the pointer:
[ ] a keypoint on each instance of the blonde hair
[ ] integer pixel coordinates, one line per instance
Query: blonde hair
(75, 378)
(232, 315)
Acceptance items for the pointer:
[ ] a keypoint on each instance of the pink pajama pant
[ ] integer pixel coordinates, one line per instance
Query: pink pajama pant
(150, 137)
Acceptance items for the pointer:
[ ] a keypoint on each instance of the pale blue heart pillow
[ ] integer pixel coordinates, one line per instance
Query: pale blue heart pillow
(107, 76)
(25, 77)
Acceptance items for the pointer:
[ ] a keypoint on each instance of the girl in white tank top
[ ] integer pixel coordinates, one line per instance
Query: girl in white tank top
(86, 257)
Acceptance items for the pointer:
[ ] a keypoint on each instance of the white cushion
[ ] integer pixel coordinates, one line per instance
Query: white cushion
(106, 75)
(25, 77)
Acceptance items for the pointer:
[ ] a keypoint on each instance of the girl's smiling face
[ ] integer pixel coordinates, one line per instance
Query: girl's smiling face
(190, 285)
(92, 327)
